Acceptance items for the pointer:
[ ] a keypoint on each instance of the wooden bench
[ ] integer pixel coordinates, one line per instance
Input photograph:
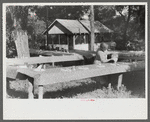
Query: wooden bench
(67, 74)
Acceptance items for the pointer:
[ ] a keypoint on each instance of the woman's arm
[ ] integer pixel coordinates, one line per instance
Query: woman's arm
(103, 57)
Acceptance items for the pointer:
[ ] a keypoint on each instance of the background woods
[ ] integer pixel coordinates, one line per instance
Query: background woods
(127, 22)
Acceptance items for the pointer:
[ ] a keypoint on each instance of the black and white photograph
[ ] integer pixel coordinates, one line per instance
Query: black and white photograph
(73, 56)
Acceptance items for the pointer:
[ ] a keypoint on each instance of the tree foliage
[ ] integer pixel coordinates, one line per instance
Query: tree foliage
(127, 21)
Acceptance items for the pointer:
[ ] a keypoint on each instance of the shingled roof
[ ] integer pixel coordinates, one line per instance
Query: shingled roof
(64, 26)
(99, 27)
(73, 26)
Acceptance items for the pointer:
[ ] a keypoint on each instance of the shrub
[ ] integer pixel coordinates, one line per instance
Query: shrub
(107, 93)
(113, 93)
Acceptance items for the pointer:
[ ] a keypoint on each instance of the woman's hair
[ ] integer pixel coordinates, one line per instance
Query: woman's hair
(103, 46)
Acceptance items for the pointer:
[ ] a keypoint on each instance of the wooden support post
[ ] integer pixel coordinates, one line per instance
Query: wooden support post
(67, 43)
(44, 66)
(73, 41)
(84, 36)
(40, 96)
(59, 42)
(119, 81)
(59, 38)
(30, 91)
(53, 64)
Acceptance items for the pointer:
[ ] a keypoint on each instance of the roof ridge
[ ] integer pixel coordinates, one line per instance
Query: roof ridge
(84, 26)
(67, 19)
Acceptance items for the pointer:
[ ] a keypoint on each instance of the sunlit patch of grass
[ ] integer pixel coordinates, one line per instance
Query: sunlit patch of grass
(108, 93)
(21, 85)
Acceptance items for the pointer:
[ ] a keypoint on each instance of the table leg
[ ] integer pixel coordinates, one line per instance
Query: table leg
(44, 66)
(30, 91)
(83, 62)
(119, 81)
(40, 92)
(53, 64)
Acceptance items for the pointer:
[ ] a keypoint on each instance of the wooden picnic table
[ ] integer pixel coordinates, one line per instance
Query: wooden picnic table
(66, 74)
(131, 55)
(43, 59)
(123, 55)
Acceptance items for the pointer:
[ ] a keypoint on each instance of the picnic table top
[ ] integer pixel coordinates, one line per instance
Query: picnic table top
(43, 59)
(65, 74)
(48, 52)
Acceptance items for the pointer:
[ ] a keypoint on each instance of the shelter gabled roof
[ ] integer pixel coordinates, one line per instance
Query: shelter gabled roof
(99, 27)
(73, 26)
(65, 26)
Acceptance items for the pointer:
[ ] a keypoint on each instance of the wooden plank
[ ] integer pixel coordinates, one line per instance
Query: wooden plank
(36, 60)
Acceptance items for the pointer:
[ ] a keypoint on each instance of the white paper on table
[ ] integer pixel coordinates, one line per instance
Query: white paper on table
(84, 68)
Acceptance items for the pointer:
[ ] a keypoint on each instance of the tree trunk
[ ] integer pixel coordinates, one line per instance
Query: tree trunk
(126, 25)
(92, 29)
(21, 41)
(46, 46)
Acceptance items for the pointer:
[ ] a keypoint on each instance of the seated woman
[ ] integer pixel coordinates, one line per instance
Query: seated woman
(102, 55)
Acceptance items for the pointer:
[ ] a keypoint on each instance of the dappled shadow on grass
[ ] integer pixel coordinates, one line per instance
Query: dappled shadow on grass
(135, 82)
(16, 94)
(71, 91)
(13, 93)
